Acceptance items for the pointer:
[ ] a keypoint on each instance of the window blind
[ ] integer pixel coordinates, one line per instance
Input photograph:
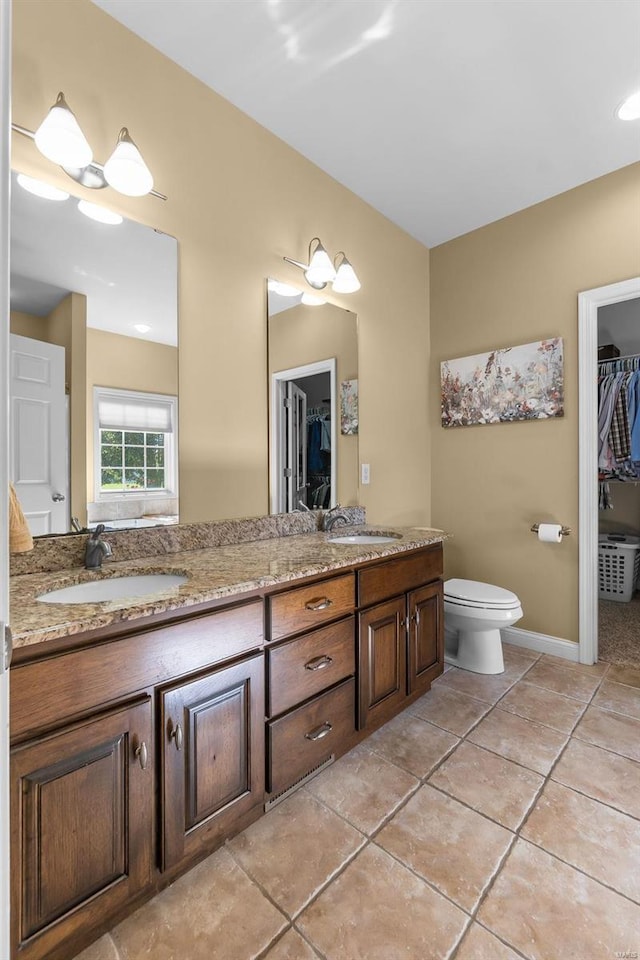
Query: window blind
(129, 413)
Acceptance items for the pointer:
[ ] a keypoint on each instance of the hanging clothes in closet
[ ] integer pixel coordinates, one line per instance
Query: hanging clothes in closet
(319, 457)
(618, 423)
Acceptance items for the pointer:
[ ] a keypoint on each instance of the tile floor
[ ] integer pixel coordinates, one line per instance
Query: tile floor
(496, 818)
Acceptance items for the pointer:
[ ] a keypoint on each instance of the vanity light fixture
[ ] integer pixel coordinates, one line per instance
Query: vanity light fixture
(320, 271)
(60, 139)
(284, 289)
(96, 212)
(41, 189)
(629, 109)
(142, 327)
(311, 300)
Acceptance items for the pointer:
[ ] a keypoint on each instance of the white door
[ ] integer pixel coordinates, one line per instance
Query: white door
(296, 460)
(38, 464)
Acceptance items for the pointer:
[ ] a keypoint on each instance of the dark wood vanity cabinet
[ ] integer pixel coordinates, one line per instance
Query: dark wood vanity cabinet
(400, 638)
(212, 756)
(82, 826)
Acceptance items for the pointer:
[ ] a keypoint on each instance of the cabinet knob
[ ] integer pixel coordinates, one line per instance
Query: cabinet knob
(318, 663)
(322, 731)
(175, 734)
(320, 604)
(142, 755)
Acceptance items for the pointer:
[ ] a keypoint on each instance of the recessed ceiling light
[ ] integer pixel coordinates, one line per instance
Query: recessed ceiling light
(95, 212)
(41, 189)
(284, 289)
(142, 327)
(629, 109)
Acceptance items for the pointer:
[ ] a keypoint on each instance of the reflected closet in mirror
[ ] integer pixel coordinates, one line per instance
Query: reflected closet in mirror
(94, 368)
(312, 352)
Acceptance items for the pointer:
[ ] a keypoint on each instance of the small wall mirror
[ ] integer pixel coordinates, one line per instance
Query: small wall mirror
(313, 427)
(94, 368)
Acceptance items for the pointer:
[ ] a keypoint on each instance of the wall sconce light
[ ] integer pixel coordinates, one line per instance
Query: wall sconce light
(60, 139)
(320, 270)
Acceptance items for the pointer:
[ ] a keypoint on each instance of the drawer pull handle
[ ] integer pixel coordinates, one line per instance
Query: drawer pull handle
(141, 755)
(319, 732)
(176, 734)
(318, 663)
(321, 604)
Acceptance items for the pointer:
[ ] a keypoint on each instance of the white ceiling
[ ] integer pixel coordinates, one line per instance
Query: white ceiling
(444, 115)
(128, 272)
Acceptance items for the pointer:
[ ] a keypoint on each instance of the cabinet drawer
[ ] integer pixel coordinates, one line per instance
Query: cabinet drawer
(396, 576)
(301, 668)
(295, 611)
(309, 735)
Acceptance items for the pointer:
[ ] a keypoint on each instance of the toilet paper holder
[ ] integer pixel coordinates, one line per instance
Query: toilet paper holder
(565, 531)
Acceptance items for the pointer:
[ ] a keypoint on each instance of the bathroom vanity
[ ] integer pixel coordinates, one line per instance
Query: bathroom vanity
(145, 734)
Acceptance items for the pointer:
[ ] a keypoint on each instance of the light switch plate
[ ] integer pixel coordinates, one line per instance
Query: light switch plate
(364, 473)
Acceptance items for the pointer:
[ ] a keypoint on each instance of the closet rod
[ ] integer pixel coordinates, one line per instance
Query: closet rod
(629, 356)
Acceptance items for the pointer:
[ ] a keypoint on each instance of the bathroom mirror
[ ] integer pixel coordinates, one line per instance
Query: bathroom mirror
(313, 374)
(93, 305)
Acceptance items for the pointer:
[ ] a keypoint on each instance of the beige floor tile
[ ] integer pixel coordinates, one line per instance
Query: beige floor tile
(496, 787)
(520, 651)
(618, 698)
(481, 686)
(411, 743)
(102, 949)
(596, 839)
(379, 910)
(479, 944)
(452, 847)
(570, 683)
(449, 709)
(515, 738)
(602, 775)
(544, 706)
(291, 947)
(548, 910)
(214, 912)
(295, 849)
(363, 787)
(611, 731)
(624, 674)
(588, 670)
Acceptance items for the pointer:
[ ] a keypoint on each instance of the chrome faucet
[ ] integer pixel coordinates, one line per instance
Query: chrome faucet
(333, 517)
(96, 549)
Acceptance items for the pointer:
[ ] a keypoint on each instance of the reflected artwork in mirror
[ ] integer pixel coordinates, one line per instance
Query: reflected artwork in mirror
(94, 368)
(312, 348)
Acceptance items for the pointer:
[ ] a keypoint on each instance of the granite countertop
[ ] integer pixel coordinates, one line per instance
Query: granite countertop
(213, 573)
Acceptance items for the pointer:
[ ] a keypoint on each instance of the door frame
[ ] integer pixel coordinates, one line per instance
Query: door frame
(589, 302)
(276, 424)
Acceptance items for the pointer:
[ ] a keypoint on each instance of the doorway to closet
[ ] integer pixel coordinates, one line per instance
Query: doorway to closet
(592, 453)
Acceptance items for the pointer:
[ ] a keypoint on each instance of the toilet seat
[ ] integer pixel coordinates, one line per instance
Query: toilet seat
(474, 594)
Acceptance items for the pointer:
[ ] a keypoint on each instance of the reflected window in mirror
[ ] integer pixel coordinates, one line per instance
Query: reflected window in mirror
(311, 350)
(99, 301)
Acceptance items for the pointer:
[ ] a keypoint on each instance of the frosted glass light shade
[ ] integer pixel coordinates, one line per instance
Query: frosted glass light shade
(310, 300)
(41, 189)
(630, 109)
(125, 170)
(96, 212)
(60, 139)
(346, 280)
(320, 269)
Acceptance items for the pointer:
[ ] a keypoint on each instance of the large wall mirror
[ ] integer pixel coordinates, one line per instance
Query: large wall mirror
(94, 368)
(313, 426)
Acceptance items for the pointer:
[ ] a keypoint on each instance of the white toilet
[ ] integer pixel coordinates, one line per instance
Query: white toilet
(474, 613)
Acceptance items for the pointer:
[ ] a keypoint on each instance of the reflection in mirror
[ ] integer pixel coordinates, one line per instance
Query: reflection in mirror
(94, 368)
(312, 350)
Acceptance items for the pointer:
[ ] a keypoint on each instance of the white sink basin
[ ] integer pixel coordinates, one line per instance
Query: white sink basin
(365, 538)
(114, 588)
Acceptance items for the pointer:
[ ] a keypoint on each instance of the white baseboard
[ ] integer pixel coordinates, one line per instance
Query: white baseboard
(542, 643)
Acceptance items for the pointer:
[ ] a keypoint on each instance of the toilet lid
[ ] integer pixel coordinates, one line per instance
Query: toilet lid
(471, 593)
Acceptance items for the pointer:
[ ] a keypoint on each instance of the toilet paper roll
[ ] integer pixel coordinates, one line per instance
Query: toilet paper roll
(550, 532)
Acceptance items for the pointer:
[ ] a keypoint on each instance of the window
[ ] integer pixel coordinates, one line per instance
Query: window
(135, 443)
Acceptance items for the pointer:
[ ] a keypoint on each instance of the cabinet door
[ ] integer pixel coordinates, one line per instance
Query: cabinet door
(212, 757)
(425, 635)
(382, 661)
(82, 827)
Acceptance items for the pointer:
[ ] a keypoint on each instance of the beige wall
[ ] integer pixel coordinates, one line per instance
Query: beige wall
(125, 363)
(239, 200)
(512, 282)
(625, 516)
(304, 334)
(26, 325)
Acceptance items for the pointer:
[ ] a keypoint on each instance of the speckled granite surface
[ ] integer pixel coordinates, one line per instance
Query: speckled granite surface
(60, 553)
(213, 572)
